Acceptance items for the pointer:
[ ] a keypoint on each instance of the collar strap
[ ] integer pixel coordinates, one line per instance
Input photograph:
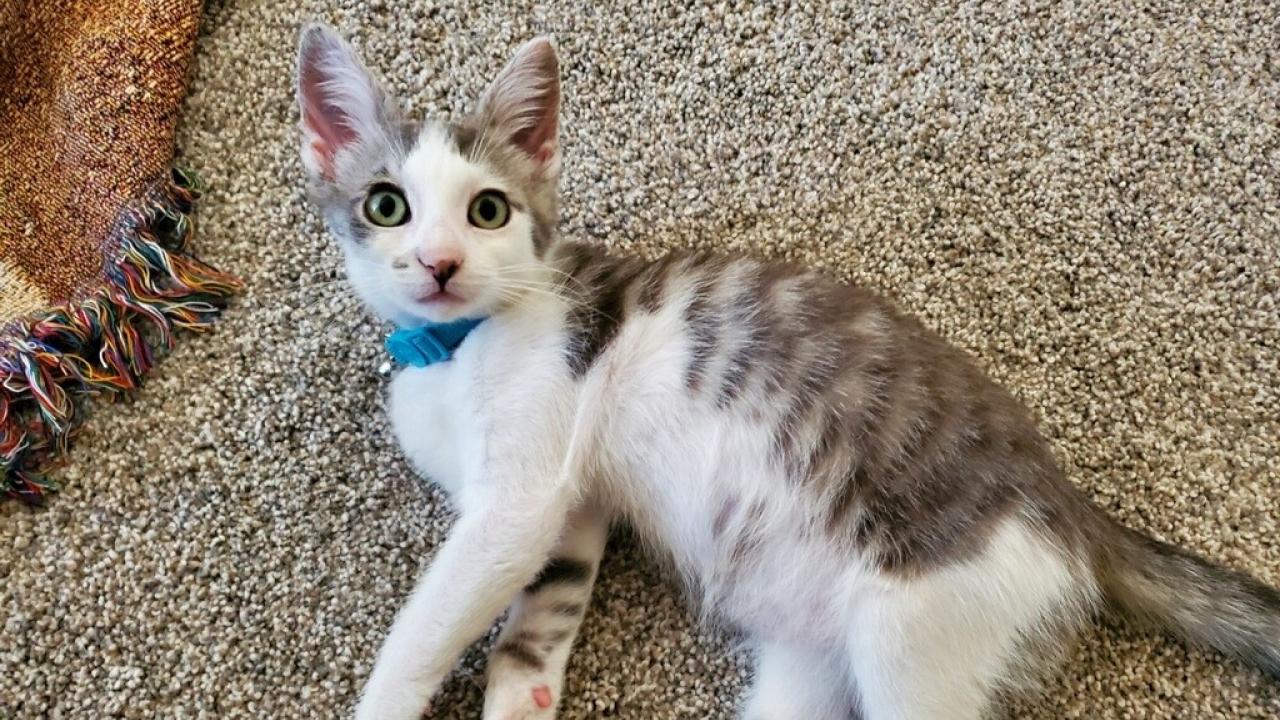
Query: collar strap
(431, 343)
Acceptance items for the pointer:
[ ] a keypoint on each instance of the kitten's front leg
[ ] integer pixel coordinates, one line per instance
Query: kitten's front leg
(526, 667)
(491, 553)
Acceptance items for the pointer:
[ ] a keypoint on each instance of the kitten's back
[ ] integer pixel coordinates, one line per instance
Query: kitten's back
(909, 452)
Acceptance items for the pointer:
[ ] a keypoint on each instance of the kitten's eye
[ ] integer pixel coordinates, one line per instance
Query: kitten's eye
(489, 210)
(386, 206)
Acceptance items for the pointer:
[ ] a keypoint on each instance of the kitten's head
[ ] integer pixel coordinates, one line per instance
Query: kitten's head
(438, 222)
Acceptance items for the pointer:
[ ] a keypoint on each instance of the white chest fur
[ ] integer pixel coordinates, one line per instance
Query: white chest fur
(507, 384)
(436, 422)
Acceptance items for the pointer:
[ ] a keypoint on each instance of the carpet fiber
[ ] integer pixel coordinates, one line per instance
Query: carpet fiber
(1082, 194)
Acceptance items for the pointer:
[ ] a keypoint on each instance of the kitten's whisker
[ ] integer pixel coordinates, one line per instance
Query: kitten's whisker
(514, 292)
(546, 267)
(480, 145)
(556, 288)
(500, 277)
(574, 301)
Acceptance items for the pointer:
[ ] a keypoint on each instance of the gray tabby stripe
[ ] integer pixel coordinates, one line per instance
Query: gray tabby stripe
(910, 452)
(522, 654)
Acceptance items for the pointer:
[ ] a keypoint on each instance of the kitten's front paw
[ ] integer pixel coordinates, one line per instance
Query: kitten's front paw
(515, 695)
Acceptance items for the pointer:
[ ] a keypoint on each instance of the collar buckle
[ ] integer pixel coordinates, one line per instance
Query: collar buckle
(429, 344)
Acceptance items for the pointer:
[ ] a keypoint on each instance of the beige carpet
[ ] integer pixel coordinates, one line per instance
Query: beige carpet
(1086, 195)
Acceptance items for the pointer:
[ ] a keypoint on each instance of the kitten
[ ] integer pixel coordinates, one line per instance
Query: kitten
(881, 521)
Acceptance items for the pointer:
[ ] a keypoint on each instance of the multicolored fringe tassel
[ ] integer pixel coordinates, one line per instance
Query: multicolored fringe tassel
(103, 344)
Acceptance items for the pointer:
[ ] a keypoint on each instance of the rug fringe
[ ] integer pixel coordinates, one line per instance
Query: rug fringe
(103, 344)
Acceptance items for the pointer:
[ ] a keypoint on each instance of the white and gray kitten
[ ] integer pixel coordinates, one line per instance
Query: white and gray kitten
(881, 521)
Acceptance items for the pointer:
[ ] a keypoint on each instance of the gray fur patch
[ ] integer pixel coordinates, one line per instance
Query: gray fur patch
(479, 143)
(913, 454)
(341, 199)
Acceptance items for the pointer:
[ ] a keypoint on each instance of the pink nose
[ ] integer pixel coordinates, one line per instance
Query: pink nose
(442, 269)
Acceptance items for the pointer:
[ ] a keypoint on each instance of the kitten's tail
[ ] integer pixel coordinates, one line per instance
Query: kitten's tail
(1205, 603)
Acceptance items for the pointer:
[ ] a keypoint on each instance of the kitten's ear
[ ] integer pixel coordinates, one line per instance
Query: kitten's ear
(341, 104)
(523, 103)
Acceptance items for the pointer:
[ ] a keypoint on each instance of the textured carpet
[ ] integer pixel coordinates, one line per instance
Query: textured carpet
(1083, 194)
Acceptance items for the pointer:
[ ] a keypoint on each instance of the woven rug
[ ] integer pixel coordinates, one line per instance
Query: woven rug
(94, 270)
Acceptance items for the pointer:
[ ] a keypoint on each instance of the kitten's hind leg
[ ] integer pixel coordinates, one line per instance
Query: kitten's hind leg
(794, 683)
(526, 666)
(946, 643)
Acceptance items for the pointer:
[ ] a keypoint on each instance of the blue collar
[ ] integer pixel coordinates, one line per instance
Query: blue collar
(431, 343)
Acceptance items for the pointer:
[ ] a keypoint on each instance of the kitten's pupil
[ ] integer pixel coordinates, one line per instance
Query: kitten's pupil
(488, 210)
(387, 206)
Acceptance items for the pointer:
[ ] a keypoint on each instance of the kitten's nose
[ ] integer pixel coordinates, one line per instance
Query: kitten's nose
(441, 270)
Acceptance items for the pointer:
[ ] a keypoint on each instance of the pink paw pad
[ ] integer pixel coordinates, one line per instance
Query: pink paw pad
(542, 696)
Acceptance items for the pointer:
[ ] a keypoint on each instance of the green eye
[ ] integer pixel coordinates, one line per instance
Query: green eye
(489, 210)
(386, 206)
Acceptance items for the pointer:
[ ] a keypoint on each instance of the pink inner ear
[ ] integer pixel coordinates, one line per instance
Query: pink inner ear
(539, 140)
(545, 153)
(321, 116)
(320, 149)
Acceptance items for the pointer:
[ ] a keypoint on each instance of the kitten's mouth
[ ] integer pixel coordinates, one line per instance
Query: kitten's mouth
(439, 298)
